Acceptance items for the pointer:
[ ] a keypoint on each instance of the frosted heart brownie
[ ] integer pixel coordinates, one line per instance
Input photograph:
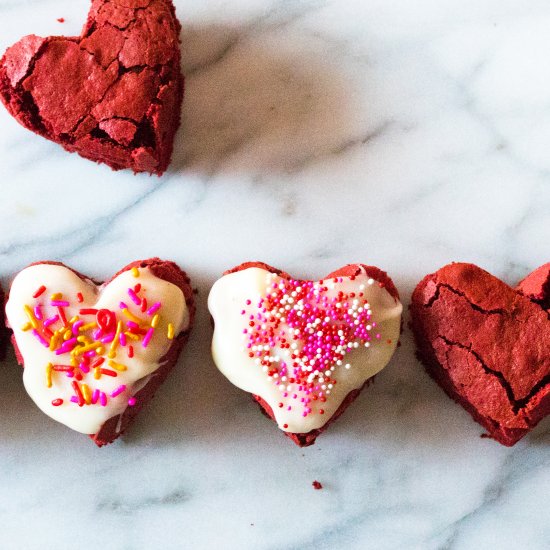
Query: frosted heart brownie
(303, 349)
(94, 355)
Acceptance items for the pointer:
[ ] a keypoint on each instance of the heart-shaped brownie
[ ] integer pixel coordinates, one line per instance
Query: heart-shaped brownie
(487, 345)
(112, 95)
(303, 349)
(93, 356)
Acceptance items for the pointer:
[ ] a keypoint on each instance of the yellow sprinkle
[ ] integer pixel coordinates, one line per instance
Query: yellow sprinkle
(86, 393)
(30, 315)
(88, 326)
(118, 366)
(68, 334)
(132, 336)
(56, 296)
(54, 340)
(135, 272)
(131, 316)
(97, 373)
(114, 343)
(155, 321)
(73, 319)
(74, 361)
(100, 350)
(26, 326)
(84, 339)
(170, 334)
(49, 369)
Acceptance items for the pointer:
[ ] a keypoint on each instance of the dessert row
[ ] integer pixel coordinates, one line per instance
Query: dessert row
(95, 353)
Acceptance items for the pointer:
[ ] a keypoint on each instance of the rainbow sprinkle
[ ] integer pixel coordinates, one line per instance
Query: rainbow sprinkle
(89, 340)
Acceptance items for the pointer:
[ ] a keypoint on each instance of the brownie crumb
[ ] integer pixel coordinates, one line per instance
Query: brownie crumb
(316, 485)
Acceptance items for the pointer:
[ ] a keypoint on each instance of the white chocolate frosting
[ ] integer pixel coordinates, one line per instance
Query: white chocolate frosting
(107, 389)
(366, 317)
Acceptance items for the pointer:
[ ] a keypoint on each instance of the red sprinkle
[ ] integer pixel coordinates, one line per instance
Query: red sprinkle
(63, 368)
(62, 316)
(57, 402)
(130, 351)
(316, 485)
(108, 372)
(97, 362)
(79, 395)
(79, 297)
(88, 311)
(39, 292)
(106, 320)
(61, 19)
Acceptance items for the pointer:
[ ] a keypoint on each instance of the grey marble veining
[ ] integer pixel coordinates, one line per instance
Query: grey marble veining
(315, 133)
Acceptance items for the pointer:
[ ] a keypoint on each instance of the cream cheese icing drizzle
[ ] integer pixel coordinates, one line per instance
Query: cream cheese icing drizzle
(302, 346)
(88, 349)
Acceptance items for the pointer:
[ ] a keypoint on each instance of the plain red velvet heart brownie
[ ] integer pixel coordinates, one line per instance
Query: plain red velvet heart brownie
(487, 345)
(303, 349)
(113, 95)
(94, 355)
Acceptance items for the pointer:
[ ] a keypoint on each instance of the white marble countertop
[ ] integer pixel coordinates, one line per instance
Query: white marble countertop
(315, 133)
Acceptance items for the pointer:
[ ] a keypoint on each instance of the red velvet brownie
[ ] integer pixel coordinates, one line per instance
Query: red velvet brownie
(303, 349)
(487, 345)
(112, 95)
(94, 355)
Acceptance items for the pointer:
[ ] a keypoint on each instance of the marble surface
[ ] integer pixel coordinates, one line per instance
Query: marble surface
(315, 133)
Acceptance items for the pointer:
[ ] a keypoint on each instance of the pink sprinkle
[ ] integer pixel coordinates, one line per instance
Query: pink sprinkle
(84, 368)
(147, 337)
(66, 347)
(132, 401)
(122, 305)
(131, 324)
(134, 297)
(103, 399)
(51, 320)
(108, 338)
(118, 391)
(40, 338)
(59, 303)
(38, 312)
(154, 308)
(95, 396)
(70, 374)
(76, 326)
(97, 333)
(90, 353)
(122, 339)
(74, 399)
